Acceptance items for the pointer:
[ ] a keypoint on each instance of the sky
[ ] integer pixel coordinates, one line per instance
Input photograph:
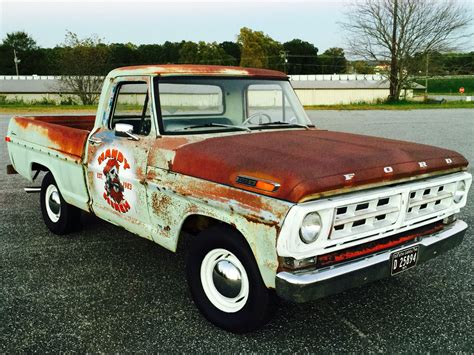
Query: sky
(147, 22)
(157, 21)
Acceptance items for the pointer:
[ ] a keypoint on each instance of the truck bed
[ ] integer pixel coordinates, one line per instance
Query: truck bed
(56, 143)
(66, 134)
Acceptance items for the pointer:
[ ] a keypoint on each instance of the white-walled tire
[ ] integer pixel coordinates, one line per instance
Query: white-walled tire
(59, 216)
(225, 282)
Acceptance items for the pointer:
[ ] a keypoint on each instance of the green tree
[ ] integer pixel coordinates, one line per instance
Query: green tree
(259, 50)
(20, 40)
(333, 61)
(27, 52)
(362, 67)
(149, 54)
(121, 54)
(203, 53)
(83, 63)
(302, 57)
(170, 52)
(188, 53)
(233, 51)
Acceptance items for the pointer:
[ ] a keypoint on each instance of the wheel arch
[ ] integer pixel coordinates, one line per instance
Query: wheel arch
(260, 238)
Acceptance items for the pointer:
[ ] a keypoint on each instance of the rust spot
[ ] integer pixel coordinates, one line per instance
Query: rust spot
(160, 203)
(67, 134)
(190, 69)
(375, 246)
(258, 220)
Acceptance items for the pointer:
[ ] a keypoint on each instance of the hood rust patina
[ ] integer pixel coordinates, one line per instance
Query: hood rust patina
(311, 163)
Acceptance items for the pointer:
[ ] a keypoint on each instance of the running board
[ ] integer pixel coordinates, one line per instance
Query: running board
(32, 190)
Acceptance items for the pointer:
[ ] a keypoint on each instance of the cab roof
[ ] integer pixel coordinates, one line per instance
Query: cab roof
(196, 70)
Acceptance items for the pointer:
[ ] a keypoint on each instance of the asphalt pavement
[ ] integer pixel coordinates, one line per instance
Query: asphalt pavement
(105, 290)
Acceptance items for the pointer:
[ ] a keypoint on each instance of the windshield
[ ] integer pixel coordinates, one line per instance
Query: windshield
(203, 104)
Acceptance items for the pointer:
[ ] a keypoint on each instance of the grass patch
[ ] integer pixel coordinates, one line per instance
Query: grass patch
(25, 108)
(402, 105)
(449, 85)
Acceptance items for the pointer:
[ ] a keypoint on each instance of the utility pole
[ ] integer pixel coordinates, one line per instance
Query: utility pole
(426, 74)
(284, 57)
(394, 50)
(16, 60)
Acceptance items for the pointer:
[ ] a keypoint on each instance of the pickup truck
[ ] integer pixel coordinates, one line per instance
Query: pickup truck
(272, 206)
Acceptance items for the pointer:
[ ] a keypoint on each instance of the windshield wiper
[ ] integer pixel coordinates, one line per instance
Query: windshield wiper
(242, 128)
(284, 123)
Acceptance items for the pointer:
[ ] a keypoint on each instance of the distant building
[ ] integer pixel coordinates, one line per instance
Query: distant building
(344, 89)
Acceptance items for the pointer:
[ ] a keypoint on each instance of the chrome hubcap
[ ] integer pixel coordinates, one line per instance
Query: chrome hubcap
(224, 280)
(227, 279)
(53, 203)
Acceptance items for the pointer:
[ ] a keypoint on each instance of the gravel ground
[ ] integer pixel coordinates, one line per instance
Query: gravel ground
(105, 290)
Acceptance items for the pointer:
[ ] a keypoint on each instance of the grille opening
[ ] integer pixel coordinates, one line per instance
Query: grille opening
(441, 188)
(383, 201)
(438, 202)
(341, 210)
(426, 192)
(358, 223)
(362, 206)
(423, 206)
(381, 217)
(412, 195)
(339, 227)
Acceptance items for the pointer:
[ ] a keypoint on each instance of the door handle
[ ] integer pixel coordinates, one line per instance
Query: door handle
(95, 141)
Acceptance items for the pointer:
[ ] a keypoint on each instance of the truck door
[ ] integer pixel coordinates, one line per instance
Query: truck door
(117, 156)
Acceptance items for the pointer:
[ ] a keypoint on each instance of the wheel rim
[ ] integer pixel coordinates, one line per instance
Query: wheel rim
(53, 203)
(224, 280)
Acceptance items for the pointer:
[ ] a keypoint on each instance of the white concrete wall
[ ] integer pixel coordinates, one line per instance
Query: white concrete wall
(309, 97)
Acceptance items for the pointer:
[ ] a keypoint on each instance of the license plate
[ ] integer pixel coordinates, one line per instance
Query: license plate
(404, 259)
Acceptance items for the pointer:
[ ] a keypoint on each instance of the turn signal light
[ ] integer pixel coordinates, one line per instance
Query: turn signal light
(8, 139)
(264, 185)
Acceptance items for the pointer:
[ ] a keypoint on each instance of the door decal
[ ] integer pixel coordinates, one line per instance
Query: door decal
(112, 165)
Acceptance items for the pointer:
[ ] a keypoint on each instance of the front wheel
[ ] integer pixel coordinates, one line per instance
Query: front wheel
(59, 216)
(225, 282)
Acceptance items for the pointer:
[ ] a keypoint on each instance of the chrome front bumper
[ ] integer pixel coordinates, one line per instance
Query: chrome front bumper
(303, 286)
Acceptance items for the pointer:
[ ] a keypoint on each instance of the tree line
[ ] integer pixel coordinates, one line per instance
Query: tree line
(91, 56)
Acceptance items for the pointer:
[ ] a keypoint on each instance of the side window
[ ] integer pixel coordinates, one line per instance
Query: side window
(132, 106)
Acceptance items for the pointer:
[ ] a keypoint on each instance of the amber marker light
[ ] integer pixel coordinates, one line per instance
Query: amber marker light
(264, 185)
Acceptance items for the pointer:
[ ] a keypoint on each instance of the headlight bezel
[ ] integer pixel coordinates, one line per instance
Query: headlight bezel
(459, 192)
(311, 227)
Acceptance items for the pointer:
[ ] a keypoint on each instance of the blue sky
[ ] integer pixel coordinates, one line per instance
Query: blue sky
(156, 21)
(144, 21)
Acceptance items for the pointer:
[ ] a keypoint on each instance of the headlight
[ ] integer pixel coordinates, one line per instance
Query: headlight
(460, 191)
(310, 228)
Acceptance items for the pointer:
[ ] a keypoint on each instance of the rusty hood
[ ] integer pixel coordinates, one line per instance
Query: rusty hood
(310, 162)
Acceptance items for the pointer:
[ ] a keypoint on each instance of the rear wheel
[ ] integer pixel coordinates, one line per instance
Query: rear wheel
(59, 216)
(225, 282)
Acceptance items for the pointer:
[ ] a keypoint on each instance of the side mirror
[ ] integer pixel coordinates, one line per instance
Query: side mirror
(123, 129)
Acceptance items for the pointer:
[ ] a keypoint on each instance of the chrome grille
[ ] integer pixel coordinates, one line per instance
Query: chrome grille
(409, 206)
(422, 202)
(366, 216)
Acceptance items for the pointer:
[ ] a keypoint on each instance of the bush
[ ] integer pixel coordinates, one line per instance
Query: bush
(45, 101)
(67, 101)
